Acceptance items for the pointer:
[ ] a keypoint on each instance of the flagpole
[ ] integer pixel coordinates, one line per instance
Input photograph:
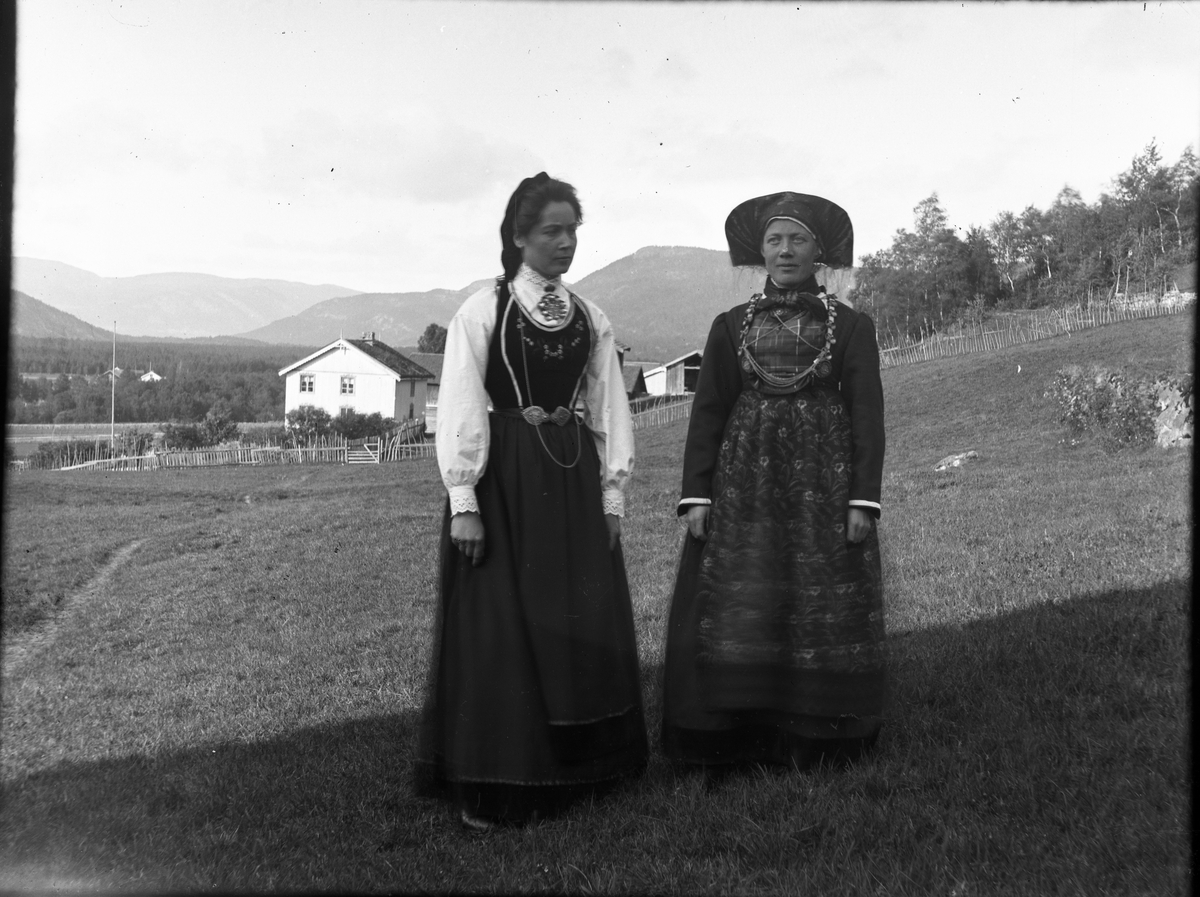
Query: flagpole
(112, 424)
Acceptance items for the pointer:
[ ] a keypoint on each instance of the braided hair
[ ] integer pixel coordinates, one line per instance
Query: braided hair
(524, 208)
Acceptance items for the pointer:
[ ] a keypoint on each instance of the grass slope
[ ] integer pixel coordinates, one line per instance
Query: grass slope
(235, 708)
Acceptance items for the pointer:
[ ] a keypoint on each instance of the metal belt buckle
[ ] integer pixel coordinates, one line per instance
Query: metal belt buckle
(535, 415)
(561, 416)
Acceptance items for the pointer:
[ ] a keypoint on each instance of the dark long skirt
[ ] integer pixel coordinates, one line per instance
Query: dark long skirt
(534, 696)
(775, 641)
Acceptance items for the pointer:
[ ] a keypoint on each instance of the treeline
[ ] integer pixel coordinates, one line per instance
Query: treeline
(230, 382)
(47, 355)
(1138, 239)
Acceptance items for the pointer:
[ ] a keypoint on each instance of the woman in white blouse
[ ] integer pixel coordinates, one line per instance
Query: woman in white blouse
(534, 696)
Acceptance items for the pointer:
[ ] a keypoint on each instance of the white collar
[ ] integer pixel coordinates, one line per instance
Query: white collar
(527, 275)
(528, 287)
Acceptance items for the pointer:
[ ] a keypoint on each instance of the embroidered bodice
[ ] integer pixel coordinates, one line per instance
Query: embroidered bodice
(532, 364)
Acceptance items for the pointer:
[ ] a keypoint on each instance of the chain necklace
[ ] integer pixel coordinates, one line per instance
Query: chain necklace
(535, 414)
(821, 366)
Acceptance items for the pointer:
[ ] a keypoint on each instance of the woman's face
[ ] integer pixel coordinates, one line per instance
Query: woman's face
(790, 252)
(549, 247)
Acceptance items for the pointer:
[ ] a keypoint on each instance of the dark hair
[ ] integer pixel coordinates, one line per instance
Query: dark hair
(524, 208)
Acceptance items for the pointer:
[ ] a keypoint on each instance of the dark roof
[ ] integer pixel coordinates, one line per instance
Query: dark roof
(431, 362)
(634, 380)
(389, 357)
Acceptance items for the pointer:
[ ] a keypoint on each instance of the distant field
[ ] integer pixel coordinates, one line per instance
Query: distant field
(24, 438)
(234, 707)
(69, 431)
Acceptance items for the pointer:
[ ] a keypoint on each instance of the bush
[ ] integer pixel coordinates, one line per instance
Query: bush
(275, 434)
(182, 436)
(217, 428)
(1111, 404)
(132, 443)
(352, 425)
(54, 454)
(308, 422)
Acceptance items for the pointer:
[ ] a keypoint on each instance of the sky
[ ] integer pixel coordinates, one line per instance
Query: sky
(374, 144)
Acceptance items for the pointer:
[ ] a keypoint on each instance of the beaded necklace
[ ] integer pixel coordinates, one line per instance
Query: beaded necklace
(820, 367)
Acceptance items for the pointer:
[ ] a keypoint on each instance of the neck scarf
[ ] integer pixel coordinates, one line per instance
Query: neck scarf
(807, 296)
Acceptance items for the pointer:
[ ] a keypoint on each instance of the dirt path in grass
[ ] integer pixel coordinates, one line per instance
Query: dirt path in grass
(29, 643)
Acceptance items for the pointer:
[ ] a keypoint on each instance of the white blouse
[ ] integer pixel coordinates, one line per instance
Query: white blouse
(463, 436)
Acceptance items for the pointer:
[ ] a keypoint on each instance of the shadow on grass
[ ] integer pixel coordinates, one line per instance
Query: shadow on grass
(228, 815)
(1043, 746)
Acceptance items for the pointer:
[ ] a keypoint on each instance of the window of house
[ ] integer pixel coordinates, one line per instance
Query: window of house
(347, 386)
(308, 382)
(410, 411)
(412, 388)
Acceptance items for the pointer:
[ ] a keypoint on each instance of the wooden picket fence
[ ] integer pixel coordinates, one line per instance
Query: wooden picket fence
(409, 451)
(219, 457)
(1030, 328)
(663, 414)
(406, 444)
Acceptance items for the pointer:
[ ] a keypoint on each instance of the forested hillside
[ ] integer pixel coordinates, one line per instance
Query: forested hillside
(396, 318)
(662, 299)
(238, 382)
(31, 317)
(1138, 239)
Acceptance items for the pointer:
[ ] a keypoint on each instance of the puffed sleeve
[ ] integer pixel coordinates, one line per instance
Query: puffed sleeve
(463, 435)
(606, 413)
(862, 391)
(717, 388)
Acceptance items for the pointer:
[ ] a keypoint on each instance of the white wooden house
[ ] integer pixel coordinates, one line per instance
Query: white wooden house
(675, 378)
(364, 375)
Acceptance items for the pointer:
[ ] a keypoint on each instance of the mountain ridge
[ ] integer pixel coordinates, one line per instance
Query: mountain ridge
(661, 301)
(166, 304)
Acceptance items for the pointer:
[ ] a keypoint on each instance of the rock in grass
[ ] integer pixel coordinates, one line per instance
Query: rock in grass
(956, 460)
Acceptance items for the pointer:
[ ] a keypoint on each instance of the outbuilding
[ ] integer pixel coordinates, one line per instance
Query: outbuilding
(635, 380)
(432, 362)
(675, 378)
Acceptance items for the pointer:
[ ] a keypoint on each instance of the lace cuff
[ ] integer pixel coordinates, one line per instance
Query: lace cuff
(614, 502)
(462, 499)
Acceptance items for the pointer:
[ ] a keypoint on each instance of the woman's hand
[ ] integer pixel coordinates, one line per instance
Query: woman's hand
(466, 534)
(613, 522)
(697, 522)
(858, 525)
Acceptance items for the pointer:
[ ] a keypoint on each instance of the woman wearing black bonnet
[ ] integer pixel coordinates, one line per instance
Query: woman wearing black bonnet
(534, 696)
(775, 642)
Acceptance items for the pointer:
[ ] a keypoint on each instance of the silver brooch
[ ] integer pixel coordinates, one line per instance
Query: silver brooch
(552, 307)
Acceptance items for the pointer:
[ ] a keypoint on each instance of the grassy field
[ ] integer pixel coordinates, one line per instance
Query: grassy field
(211, 677)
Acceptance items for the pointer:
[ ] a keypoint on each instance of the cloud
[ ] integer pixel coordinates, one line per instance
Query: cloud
(618, 66)
(442, 162)
(674, 69)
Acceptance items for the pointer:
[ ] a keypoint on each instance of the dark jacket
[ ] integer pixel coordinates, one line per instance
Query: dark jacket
(855, 373)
